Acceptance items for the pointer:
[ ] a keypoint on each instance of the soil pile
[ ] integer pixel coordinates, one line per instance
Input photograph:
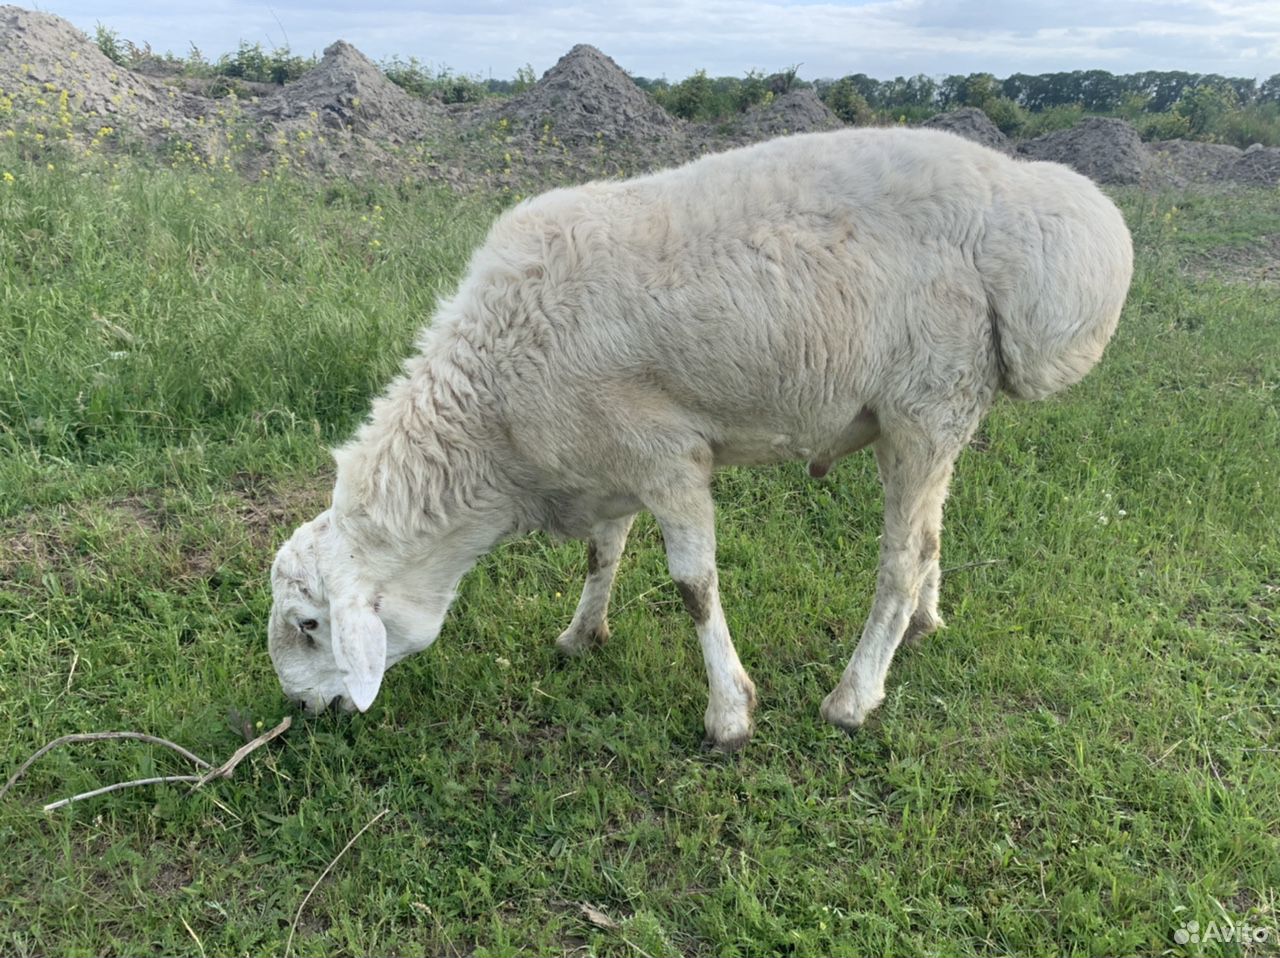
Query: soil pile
(41, 56)
(1257, 166)
(585, 97)
(1105, 149)
(584, 119)
(346, 91)
(972, 124)
(799, 111)
(1180, 163)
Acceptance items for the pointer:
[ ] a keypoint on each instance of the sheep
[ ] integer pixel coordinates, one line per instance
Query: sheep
(612, 344)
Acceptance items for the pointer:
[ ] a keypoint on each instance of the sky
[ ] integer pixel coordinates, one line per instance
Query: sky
(673, 38)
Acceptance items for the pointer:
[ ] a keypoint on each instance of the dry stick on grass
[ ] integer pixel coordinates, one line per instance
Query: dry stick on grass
(101, 737)
(226, 768)
(222, 771)
(288, 945)
(972, 565)
(119, 785)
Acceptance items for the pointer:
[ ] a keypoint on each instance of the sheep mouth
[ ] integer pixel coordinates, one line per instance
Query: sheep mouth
(315, 707)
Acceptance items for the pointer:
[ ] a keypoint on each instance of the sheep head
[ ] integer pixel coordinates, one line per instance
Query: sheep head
(338, 622)
(325, 637)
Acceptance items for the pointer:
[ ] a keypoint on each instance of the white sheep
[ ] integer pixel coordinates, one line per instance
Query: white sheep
(612, 344)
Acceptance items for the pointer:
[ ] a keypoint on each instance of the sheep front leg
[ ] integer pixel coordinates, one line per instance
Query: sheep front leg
(688, 529)
(590, 625)
(915, 474)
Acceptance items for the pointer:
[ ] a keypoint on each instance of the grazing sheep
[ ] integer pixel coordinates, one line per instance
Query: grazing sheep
(612, 344)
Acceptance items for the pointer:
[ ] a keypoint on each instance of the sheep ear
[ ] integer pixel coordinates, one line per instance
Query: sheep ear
(360, 649)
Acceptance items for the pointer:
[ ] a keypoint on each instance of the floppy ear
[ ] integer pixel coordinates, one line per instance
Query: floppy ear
(360, 649)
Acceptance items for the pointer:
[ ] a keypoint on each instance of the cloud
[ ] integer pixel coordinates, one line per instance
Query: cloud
(829, 39)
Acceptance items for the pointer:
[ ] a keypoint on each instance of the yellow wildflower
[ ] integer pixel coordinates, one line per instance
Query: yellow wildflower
(8, 177)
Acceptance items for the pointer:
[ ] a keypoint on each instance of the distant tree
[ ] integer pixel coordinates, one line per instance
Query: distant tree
(1164, 87)
(844, 100)
(251, 62)
(951, 92)
(1245, 88)
(979, 89)
(1206, 106)
(868, 88)
(1008, 117)
(1100, 90)
(751, 91)
(917, 91)
(690, 98)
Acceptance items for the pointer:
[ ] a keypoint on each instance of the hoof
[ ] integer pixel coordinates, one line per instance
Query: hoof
(843, 711)
(729, 745)
(921, 625)
(574, 642)
(729, 728)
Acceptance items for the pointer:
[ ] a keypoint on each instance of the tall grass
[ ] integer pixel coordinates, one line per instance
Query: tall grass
(146, 305)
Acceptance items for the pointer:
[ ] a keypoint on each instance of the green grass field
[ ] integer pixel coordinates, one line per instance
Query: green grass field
(1083, 761)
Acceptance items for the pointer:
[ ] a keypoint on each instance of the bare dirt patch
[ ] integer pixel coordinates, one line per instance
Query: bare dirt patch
(1257, 264)
(181, 547)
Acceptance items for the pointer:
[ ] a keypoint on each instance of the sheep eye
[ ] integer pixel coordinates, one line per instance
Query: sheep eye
(308, 625)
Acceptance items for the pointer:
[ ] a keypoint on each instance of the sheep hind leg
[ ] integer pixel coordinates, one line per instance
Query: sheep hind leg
(688, 529)
(915, 473)
(926, 620)
(590, 625)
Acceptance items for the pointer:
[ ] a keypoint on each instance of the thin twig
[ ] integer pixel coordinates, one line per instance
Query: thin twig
(119, 785)
(972, 565)
(639, 951)
(199, 944)
(75, 659)
(288, 945)
(98, 737)
(226, 768)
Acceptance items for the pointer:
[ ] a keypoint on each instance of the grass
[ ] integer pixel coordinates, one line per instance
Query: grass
(1082, 762)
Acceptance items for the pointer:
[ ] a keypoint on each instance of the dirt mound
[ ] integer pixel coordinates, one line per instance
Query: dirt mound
(972, 124)
(52, 68)
(1258, 166)
(586, 96)
(584, 119)
(1105, 149)
(799, 111)
(347, 91)
(1181, 163)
